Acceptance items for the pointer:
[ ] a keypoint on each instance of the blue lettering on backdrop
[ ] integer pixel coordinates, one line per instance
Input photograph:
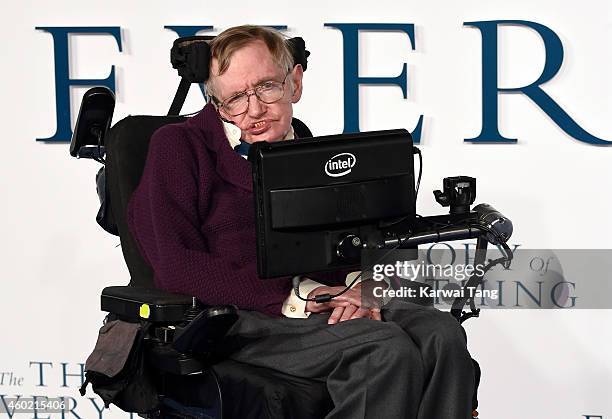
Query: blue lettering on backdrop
(183, 31)
(490, 89)
(352, 80)
(63, 82)
(350, 31)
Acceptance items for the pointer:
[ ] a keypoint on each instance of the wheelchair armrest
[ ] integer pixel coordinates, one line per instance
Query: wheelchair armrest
(193, 343)
(154, 305)
(181, 337)
(208, 328)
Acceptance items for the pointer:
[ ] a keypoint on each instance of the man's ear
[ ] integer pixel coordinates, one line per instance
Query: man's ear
(296, 76)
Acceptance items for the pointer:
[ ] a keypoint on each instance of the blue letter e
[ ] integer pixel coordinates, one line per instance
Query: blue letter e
(352, 80)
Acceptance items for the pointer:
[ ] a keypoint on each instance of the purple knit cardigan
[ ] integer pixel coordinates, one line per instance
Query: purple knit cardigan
(193, 219)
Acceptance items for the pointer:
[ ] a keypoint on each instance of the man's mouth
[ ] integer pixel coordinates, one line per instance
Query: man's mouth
(259, 127)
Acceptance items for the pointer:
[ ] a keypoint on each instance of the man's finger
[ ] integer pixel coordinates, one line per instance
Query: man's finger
(349, 298)
(337, 303)
(335, 316)
(362, 312)
(348, 312)
(314, 307)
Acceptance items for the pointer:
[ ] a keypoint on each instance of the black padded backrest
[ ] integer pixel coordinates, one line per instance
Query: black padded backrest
(127, 145)
(300, 129)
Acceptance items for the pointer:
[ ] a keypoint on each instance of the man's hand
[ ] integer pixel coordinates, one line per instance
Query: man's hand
(344, 307)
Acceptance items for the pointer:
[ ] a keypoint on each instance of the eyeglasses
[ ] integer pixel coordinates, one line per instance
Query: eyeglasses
(267, 92)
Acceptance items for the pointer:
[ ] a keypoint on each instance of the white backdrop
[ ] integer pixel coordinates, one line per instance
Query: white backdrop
(55, 260)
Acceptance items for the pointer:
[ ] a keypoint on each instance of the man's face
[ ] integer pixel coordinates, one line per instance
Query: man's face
(251, 66)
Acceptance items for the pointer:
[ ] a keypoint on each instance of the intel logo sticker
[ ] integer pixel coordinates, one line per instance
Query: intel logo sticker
(340, 165)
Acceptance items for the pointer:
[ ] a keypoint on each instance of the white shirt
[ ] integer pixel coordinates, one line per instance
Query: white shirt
(234, 133)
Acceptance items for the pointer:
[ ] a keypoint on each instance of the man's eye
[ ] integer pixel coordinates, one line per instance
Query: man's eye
(269, 85)
(232, 101)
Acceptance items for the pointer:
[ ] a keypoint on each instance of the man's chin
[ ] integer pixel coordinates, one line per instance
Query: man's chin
(269, 136)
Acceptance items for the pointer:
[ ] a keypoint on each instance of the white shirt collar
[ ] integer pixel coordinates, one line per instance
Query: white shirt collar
(234, 133)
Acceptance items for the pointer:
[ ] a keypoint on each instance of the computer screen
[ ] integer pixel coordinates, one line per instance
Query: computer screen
(312, 193)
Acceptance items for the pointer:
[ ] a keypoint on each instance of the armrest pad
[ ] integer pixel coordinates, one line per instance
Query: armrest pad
(145, 303)
(206, 330)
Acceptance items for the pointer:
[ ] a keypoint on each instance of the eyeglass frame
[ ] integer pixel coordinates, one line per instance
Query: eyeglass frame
(251, 92)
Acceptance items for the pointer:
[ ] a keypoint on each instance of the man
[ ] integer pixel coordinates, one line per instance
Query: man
(193, 218)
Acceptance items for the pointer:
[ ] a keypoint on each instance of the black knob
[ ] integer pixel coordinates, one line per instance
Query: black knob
(349, 248)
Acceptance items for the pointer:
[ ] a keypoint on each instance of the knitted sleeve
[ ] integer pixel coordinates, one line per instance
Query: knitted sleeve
(164, 218)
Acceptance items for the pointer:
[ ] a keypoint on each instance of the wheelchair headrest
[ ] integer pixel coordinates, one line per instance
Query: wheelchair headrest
(190, 56)
(94, 119)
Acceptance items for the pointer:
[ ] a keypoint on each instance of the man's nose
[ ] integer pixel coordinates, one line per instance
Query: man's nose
(256, 107)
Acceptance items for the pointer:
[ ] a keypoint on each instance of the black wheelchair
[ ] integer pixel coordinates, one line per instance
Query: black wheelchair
(170, 368)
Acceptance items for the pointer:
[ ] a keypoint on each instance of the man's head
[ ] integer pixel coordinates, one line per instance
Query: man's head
(257, 61)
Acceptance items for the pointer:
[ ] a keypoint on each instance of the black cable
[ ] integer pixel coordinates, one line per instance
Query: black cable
(418, 184)
(416, 191)
(470, 300)
(500, 242)
(506, 260)
(216, 377)
(98, 133)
